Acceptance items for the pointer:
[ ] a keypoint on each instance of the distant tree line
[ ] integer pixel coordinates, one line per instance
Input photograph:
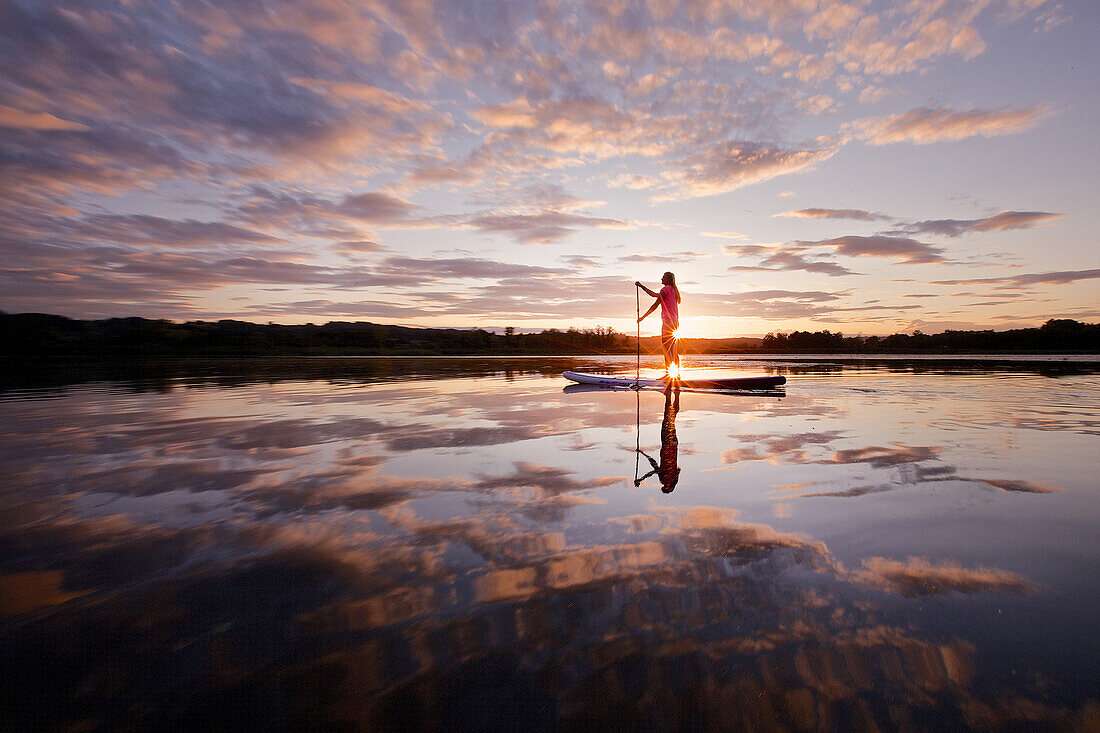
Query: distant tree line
(1054, 335)
(36, 335)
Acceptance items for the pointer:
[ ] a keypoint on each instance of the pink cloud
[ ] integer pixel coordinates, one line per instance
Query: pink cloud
(923, 126)
(787, 261)
(12, 117)
(540, 228)
(732, 165)
(517, 113)
(1062, 277)
(858, 214)
(907, 251)
(1003, 221)
(919, 577)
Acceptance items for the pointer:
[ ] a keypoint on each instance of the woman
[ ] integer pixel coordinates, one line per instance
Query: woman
(669, 300)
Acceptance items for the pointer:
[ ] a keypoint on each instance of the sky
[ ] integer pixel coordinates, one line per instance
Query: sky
(865, 167)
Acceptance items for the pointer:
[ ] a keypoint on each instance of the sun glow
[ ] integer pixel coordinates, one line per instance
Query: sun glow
(674, 371)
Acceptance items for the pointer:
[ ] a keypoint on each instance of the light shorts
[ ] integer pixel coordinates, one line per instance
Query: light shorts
(667, 338)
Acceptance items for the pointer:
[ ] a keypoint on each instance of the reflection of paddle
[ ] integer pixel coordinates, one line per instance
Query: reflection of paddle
(638, 433)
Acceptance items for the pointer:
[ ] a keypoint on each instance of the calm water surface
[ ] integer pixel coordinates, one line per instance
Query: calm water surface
(462, 543)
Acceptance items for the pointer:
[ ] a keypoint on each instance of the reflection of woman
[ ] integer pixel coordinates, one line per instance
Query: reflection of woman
(669, 300)
(667, 471)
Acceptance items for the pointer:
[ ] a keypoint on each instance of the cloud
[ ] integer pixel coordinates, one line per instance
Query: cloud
(816, 105)
(732, 165)
(214, 86)
(907, 251)
(1003, 221)
(1021, 486)
(910, 456)
(788, 448)
(356, 248)
(548, 214)
(851, 493)
(923, 125)
(581, 261)
(724, 235)
(814, 296)
(141, 129)
(143, 229)
(517, 113)
(752, 250)
(669, 257)
(882, 457)
(541, 228)
(308, 212)
(1012, 282)
(12, 117)
(324, 308)
(634, 181)
(909, 40)
(121, 279)
(770, 304)
(831, 20)
(374, 206)
(467, 267)
(544, 297)
(873, 94)
(647, 84)
(420, 437)
(40, 165)
(869, 308)
(858, 214)
(344, 92)
(588, 126)
(547, 480)
(918, 577)
(787, 261)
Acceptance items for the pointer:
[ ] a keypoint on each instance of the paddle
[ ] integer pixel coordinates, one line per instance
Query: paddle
(638, 320)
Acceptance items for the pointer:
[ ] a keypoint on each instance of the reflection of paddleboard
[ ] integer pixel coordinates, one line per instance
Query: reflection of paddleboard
(579, 388)
(716, 383)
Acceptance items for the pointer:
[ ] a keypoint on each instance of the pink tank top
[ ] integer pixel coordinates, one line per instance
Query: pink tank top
(670, 309)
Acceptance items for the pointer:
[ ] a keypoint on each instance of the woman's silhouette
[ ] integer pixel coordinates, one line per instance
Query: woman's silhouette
(669, 301)
(668, 473)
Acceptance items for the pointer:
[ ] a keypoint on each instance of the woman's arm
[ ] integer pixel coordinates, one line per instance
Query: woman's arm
(656, 468)
(643, 287)
(651, 309)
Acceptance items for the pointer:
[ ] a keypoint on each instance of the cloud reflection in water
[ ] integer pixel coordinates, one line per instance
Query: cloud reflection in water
(272, 556)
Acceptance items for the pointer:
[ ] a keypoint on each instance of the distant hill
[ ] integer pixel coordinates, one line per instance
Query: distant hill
(42, 335)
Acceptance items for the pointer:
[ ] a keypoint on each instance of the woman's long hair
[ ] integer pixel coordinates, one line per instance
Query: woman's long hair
(672, 281)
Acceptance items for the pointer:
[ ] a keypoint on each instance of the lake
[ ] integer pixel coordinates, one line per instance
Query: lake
(454, 544)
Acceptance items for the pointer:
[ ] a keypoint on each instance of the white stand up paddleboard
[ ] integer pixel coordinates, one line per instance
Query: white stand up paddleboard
(606, 380)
